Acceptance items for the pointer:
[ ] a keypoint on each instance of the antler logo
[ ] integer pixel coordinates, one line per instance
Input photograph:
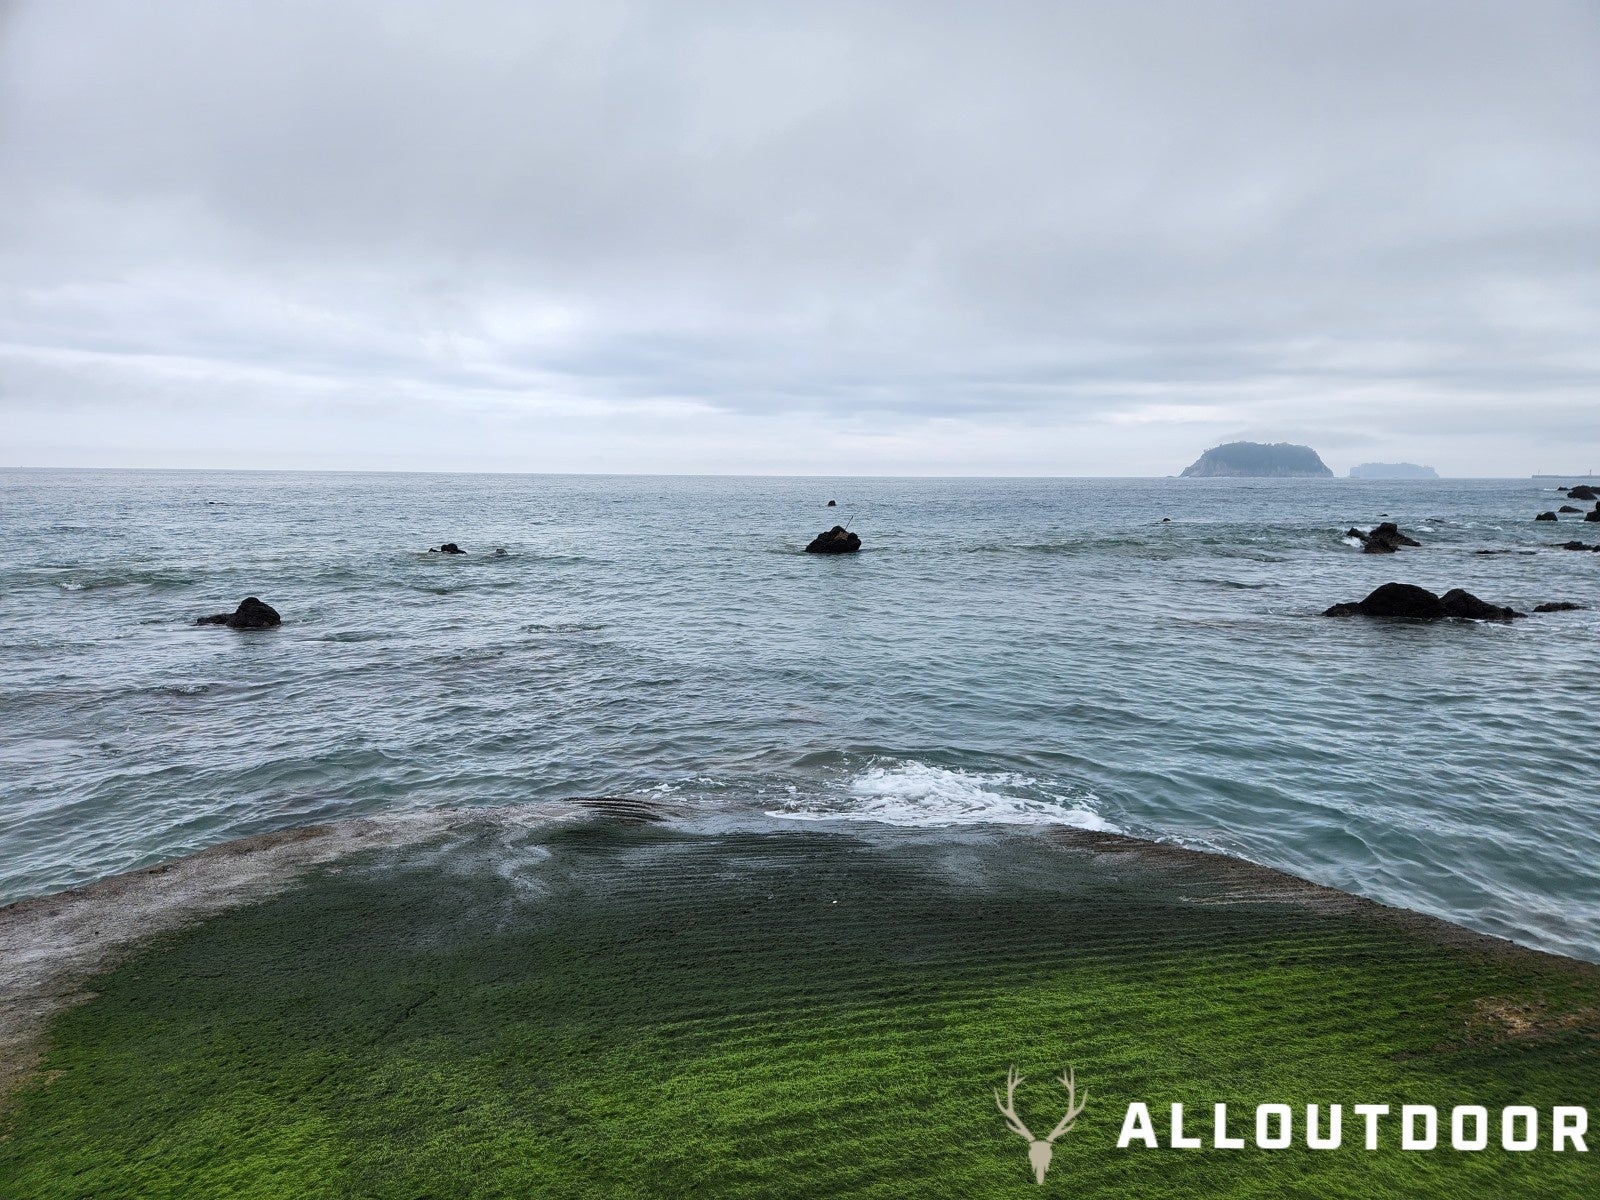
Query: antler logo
(1039, 1149)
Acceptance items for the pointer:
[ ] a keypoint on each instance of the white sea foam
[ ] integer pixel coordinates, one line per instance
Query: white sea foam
(916, 794)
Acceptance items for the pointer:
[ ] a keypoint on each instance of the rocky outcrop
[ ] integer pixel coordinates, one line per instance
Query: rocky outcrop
(447, 548)
(1545, 516)
(1569, 508)
(837, 540)
(1580, 546)
(1406, 601)
(251, 614)
(1557, 606)
(1582, 491)
(1593, 516)
(1385, 539)
(833, 504)
(1258, 460)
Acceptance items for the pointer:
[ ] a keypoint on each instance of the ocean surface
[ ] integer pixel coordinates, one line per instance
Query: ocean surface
(1029, 652)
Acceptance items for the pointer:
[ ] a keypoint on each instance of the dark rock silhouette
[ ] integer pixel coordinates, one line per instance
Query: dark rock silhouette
(499, 552)
(447, 548)
(1505, 551)
(1558, 606)
(837, 540)
(1463, 604)
(251, 614)
(833, 504)
(1545, 516)
(1569, 508)
(1582, 491)
(1580, 546)
(1412, 603)
(1385, 539)
(1592, 516)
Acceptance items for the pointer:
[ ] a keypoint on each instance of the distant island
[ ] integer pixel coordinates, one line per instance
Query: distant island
(1392, 471)
(1279, 460)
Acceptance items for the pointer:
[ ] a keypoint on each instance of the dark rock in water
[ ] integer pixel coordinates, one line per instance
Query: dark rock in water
(1409, 602)
(1166, 520)
(1592, 516)
(833, 504)
(1569, 508)
(1558, 606)
(1579, 546)
(1505, 552)
(837, 540)
(499, 552)
(1582, 491)
(251, 614)
(447, 548)
(1393, 600)
(1545, 516)
(1385, 539)
(1463, 604)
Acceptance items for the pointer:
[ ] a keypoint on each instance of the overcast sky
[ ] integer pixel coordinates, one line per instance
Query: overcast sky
(860, 238)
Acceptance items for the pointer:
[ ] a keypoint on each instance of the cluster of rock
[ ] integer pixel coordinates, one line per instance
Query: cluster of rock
(1385, 539)
(1409, 602)
(251, 614)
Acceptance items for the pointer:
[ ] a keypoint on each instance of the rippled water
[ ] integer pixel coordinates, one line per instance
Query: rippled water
(1002, 650)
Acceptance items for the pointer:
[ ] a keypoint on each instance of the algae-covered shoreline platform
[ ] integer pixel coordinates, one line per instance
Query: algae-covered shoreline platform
(613, 1004)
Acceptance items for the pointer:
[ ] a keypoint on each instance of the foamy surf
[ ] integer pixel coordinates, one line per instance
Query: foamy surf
(917, 794)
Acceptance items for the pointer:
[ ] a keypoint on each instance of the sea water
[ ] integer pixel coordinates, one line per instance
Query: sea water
(1042, 652)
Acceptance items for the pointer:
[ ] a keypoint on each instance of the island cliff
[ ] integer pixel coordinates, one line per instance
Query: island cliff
(1279, 460)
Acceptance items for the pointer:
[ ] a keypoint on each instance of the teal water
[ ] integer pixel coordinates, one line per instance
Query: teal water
(1022, 651)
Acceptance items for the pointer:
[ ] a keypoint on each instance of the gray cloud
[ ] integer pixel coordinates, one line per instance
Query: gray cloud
(1019, 237)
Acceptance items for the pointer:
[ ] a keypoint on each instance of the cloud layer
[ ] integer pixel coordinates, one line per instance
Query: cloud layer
(1017, 238)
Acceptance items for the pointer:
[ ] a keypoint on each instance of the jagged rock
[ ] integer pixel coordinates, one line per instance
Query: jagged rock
(1557, 606)
(1545, 516)
(251, 614)
(1569, 508)
(837, 540)
(1409, 602)
(447, 548)
(1385, 539)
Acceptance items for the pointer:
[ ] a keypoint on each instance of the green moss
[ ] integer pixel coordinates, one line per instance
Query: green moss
(616, 1011)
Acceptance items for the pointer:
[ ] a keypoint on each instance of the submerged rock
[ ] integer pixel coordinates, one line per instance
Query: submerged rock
(837, 540)
(1569, 508)
(251, 614)
(833, 504)
(1558, 606)
(447, 548)
(1545, 516)
(1580, 546)
(1409, 602)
